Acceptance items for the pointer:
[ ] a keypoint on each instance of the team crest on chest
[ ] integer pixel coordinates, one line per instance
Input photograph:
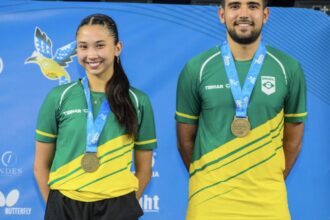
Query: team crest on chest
(268, 85)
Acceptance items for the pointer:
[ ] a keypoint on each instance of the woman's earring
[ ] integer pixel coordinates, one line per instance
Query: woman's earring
(117, 59)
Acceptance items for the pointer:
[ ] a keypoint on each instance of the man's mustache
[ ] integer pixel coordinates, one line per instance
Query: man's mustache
(243, 22)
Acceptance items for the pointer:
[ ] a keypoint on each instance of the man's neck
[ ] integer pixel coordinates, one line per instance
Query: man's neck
(243, 52)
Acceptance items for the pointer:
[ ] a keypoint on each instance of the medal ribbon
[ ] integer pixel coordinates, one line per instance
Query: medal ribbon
(242, 96)
(94, 128)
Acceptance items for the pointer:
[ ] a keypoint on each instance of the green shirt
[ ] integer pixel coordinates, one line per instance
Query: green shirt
(63, 120)
(239, 178)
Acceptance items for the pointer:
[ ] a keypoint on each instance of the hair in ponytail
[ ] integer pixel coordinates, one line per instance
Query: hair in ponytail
(117, 88)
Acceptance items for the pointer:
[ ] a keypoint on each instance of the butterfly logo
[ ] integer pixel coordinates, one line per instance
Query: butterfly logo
(11, 198)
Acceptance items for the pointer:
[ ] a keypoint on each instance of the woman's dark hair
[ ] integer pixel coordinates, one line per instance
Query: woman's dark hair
(117, 88)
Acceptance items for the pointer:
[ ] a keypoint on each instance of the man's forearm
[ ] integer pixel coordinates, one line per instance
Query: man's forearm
(186, 152)
(186, 134)
(293, 133)
(291, 154)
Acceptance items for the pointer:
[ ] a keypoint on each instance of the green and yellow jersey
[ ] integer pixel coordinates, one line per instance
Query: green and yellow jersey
(239, 178)
(63, 120)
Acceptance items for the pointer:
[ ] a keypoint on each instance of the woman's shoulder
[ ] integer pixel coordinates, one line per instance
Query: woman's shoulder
(139, 97)
(137, 92)
(59, 91)
(67, 86)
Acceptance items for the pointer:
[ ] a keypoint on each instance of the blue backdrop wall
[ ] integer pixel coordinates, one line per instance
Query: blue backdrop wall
(158, 40)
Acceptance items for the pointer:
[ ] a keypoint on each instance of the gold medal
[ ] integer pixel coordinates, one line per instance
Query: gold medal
(240, 127)
(90, 162)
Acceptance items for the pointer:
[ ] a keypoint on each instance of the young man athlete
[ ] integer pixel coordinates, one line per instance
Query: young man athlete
(240, 113)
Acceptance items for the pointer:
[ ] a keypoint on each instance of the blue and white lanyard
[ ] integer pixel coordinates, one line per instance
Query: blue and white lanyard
(94, 128)
(242, 96)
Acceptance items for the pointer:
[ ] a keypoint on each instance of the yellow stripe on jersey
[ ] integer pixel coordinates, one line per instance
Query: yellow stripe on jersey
(46, 134)
(79, 178)
(205, 193)
(90, 187)
(209, 174)
(255, 135)
(145, 142)
(72, 170)
(296, 115)
(186, 116)
(241, 192)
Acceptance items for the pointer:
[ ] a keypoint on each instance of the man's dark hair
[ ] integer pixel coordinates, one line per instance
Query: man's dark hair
(265, 3)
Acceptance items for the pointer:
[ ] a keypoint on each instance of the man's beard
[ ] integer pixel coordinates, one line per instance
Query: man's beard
(244, 39)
